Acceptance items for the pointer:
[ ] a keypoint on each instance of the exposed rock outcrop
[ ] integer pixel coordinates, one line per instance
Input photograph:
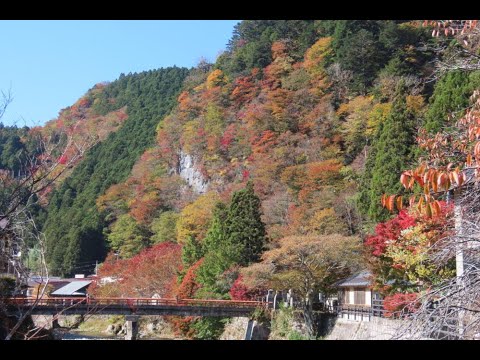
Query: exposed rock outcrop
(190, 173)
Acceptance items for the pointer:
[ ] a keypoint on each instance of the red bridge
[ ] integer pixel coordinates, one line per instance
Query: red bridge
(134, 306)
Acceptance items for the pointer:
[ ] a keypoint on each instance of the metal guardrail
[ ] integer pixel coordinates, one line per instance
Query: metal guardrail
(358, 311)
(355, 311)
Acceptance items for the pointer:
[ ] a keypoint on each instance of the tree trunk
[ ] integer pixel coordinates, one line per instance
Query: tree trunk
(308, 316)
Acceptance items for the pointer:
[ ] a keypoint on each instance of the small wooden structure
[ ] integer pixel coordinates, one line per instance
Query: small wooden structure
(357, 301)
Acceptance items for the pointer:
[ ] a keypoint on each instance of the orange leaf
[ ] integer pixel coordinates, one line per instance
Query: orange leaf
(399, 203)
(469, 160)
(420, 203)
(433, 181)
(411, 201)
(436, 207)
(391, 202)
(384, 200)
(443, 181)
(419, 180)
(428, 210)
(411, 183)
(455, 177)
(476, 149)
(426, 189)
(426, 176)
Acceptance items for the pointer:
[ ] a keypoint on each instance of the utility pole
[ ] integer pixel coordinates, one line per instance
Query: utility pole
(459, 265)
(457, 214)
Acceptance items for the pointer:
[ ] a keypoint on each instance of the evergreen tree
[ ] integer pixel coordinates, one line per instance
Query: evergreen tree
(236, 236)
(192, 251)
(451, 95)
(392, 151)
(219, 253)
(244, 228)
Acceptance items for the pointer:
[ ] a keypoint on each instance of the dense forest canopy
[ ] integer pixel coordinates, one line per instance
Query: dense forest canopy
(233, 171)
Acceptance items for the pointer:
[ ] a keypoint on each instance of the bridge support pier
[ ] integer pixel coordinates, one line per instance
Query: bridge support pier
(131, 324)
(249, 331)
(55, 324)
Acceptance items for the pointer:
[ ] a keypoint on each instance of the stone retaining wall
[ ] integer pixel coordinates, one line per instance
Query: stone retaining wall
(376, 329)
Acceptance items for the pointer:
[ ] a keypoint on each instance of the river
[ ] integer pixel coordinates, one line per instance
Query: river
(63, 334)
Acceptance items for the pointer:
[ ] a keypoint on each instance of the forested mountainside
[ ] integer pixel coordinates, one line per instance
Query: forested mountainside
(214, 181)
(74, 227)
(298, 128)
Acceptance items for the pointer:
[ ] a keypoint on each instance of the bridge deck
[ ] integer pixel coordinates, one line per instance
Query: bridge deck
(138, 306)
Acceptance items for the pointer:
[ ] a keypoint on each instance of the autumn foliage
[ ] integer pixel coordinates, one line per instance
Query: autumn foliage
(388, 231)
(399, 302)
(151, 272)
(400, 250)
(189, 285)
(446, 164)
(239, 291)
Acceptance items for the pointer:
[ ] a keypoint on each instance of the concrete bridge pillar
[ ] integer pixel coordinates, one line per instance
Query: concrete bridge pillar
(131, 324)
(55, 324)
(249, 329)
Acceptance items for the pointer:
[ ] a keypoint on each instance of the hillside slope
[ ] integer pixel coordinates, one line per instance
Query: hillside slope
(73, 226)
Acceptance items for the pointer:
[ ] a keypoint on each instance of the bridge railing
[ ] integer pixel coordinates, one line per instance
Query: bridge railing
(131, 302)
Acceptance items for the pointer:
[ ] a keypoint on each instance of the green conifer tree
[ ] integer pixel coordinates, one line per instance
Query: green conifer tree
(450, 95)
(192, 251)
(245, 231)
(392, 151)
(219, 254)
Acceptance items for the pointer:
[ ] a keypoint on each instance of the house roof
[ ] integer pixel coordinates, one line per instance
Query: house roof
(359, 279)
(72, 288)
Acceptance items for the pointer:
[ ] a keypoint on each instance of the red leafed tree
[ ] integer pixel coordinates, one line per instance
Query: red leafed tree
(388, 231)
(244, 90)
(63, 159)
(228, 137)
(144, 275)
(189, 285)
(400, 303)
(186, 290)
(239, 291)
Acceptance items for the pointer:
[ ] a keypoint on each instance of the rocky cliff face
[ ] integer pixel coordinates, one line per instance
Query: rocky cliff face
(190, 173)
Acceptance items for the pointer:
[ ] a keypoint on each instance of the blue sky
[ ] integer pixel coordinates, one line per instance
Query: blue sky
(48, 65)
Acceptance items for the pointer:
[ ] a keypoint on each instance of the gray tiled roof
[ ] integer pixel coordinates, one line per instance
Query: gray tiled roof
(360, 279)
(71, 288)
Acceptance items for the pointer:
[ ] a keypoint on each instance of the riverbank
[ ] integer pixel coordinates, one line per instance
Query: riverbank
(101, 327)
